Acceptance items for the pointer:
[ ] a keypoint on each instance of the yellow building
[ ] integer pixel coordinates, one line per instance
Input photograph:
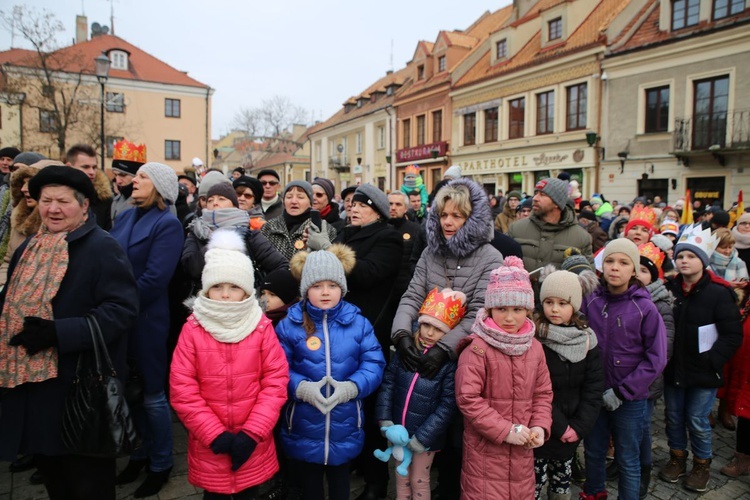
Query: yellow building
(146, 101)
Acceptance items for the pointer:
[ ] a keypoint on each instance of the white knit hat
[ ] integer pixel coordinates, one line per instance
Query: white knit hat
(164, 179)
(227, 262)
(563, 285)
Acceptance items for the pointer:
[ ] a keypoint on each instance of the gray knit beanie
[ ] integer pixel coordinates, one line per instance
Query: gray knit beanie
(209, 181)
(556, 189)
(164, 179)
(374, 198)
(623, 245)
(322, 266)
(303, 185)
(27, 158)
(563, 285)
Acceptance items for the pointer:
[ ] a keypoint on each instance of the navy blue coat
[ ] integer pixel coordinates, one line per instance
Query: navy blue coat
(152, 240)
(345, 343)
(430, 404)
(98, 281)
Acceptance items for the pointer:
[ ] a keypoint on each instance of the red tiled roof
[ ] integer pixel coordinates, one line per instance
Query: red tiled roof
(588, 34)
(79, 57)
(460, 39)
(648, 33)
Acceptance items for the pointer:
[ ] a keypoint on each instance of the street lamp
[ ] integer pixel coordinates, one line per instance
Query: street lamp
(102, 63)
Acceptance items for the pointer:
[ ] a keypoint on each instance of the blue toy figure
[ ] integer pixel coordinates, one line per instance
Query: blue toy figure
(398, 436)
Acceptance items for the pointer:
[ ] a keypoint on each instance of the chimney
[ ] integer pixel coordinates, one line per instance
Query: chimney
(521, 8)
(82, 27)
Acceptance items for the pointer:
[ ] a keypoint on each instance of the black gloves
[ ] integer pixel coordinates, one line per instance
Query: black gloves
(37, 335)
(242, 447)
(433, 361)
(407, 350)
(238, 446)
(223, 443)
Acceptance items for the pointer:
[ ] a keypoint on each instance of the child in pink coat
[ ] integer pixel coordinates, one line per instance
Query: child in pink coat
(503, 390)
(228, 378)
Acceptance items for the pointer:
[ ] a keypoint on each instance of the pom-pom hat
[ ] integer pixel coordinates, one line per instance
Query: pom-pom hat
(443, 309)
(227, 262)
(331, 264)
(509, 286)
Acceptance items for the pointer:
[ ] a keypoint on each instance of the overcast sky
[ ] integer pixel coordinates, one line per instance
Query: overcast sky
(317, 53)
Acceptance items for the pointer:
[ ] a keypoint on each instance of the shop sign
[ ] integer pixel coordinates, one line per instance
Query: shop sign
(422, 152)
(544, 159)
(563, 159)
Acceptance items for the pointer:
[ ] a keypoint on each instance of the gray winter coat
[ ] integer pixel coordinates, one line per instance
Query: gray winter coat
(545, 243)
(462, 263)
(664, 302)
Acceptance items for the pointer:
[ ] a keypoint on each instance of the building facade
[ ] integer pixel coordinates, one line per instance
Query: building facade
(530, 106)
(677, 101)
(145, 101)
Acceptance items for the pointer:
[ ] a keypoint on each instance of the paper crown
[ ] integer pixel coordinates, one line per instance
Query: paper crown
(125, 150)
(643, 213)
(700, 238)
(411, 170)
(445, 306)
(669, 227)
(652, 253)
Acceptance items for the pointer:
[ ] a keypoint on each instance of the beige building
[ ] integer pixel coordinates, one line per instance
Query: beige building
(146, 101)
(677, 103)
(523, 106)
(356, 145)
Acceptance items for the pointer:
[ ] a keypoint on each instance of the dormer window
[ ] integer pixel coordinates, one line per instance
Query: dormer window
(554, 31)
(501, 49)
(119, 59)
(685, 13)
(441, 63)
(724, 8)
(360, 101)
(420, 72)
(389, 90)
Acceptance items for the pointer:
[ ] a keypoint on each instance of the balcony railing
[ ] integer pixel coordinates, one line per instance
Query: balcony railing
(339, 162)
(713, 131)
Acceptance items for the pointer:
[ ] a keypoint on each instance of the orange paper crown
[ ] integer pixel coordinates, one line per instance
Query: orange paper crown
(644, 213)
(445, 306)
(652, 253)
(125, 150)
(411, 170)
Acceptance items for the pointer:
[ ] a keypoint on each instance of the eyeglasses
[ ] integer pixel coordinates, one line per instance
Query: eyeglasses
(744, 224)
(247, 196)
(270, 183)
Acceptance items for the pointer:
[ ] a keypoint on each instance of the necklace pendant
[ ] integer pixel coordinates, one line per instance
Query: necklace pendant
(458, 267)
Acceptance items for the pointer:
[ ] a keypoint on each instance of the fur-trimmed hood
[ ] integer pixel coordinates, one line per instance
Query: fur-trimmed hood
(25, 220)
(102, 186)
(17, 179)
(473, 234)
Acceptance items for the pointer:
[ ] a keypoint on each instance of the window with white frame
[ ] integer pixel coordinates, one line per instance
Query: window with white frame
(358, 142)
(441, 63)
(119, 59)
(501, 49)
(318, 149)
(115, 102)
(381, 137)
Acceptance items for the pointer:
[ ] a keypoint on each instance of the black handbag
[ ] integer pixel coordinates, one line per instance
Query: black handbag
(96, 418)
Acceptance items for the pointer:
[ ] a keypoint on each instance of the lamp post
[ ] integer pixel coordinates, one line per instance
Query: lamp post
(102, 63)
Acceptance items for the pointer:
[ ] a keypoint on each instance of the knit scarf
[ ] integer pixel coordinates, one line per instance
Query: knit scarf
(213, 219)
(742, 241)
(571, 343)
(730, 268)
(293, 222)
(510, 344)
(227, 322)
(31, 289)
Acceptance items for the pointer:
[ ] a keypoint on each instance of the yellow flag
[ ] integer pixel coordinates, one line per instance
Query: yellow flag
(740, 205)
(687, 210)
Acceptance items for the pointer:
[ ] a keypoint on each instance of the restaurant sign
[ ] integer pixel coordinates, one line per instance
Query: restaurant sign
(423, 152)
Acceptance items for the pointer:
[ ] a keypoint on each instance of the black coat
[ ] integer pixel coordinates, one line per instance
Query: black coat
(414, 242)
(506, 245)
(430, 403)
(577, 397)
(708, 302)
(378, 248)
(98, 281)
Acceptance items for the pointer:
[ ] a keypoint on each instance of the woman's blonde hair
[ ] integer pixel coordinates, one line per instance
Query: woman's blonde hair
(725, 237)
(154, 199)
(459, 195)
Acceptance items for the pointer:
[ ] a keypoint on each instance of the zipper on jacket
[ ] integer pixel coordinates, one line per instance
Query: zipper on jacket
(408, 395)
(328, 386)
(359, 414)
(290, 415)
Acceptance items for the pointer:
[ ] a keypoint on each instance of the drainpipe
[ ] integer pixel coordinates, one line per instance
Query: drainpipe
(208, 135)
(598, 150)
(391, 174)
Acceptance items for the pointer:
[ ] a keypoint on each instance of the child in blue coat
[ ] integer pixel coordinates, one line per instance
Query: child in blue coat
(424, 406)
(335, 361)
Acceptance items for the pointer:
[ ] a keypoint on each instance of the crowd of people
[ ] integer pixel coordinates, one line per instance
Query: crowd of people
(301, 334)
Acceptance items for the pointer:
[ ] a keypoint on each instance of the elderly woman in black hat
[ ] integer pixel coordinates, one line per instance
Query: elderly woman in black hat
(289, 232)
(69, 269)
(249, 193)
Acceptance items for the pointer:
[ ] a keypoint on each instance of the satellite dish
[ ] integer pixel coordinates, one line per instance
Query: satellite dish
(96, 29)
(105, 30)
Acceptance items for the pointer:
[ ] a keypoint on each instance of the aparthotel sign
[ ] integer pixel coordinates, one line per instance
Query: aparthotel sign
(553, 159)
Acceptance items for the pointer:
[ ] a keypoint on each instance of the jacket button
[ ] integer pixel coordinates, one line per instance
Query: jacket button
(481, 351)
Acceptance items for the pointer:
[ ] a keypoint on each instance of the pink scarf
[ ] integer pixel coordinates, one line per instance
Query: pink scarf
(511, 344)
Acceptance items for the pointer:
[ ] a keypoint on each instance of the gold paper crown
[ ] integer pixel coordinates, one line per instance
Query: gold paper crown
(652, 253)
(644, 213)
(699, 237)
(125, 150)
(445, 307)
(411, 170)
(670, 226)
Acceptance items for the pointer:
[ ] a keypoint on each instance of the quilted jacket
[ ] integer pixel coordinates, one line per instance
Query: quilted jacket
(217, 387)
(343, 347)
(280, 237)
(424, 406)
(518, 391)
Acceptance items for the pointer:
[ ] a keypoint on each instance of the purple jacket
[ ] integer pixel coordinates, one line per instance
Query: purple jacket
(632, 339)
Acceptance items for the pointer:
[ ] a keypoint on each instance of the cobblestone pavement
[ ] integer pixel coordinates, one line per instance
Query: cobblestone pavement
(17, 487)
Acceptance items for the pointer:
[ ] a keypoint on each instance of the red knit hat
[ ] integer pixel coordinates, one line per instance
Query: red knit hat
(639, 222)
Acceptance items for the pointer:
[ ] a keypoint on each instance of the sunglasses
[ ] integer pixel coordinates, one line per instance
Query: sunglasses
(270, 183)
(247, 196)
